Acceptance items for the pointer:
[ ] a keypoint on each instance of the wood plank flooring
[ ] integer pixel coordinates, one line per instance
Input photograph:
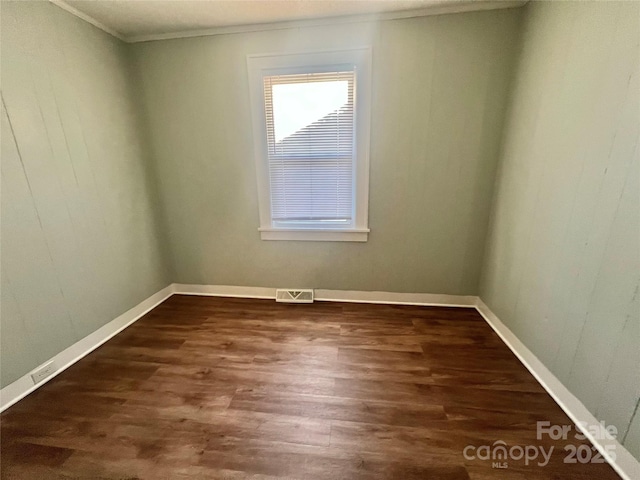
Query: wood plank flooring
(220, 388)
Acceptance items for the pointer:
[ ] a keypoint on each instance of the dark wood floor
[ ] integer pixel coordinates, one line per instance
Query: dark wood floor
(206, 387)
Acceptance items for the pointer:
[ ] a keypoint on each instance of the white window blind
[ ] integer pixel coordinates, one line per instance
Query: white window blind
(310, 126)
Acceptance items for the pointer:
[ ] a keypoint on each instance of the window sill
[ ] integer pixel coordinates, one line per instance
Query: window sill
(353, 235)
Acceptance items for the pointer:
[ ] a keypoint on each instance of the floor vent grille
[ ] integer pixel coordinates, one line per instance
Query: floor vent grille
(294, 296)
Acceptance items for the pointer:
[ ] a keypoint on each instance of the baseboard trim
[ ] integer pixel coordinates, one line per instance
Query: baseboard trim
(351, 296)
(224, 291)
(396, 298)
(22, 387)
(624, 463)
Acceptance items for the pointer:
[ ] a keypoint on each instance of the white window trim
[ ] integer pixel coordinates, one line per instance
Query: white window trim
(361, 58)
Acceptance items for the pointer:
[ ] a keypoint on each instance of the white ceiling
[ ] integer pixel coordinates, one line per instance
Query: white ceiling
(138, 20)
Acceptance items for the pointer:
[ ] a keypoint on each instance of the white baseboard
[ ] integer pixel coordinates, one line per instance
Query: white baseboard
(353, 296)
(224, 291)
(24, 385)
(624, 463)
(396, 298)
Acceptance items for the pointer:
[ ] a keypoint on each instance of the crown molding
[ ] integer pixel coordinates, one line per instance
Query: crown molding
(346, 19)
(315, 22)
(87, 18)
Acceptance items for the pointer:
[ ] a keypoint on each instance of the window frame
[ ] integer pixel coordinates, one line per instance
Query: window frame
(260, 65)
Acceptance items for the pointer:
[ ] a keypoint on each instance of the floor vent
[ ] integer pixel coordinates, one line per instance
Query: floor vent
(294, 296)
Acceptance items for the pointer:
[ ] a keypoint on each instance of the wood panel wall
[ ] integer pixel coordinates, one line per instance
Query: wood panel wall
(562, 268)
(79, 233)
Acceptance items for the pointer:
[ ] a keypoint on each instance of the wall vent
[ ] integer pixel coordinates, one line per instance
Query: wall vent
(294, 296)
(44, 371)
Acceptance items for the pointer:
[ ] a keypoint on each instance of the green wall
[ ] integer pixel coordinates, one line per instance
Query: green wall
(79, 231)
(562, 266)
(439, 91)
(115, 157)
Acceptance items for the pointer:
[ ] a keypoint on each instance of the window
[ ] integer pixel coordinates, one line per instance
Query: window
(311, 136)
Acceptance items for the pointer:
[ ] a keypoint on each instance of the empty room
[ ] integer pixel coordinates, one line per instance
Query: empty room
(320, 240)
